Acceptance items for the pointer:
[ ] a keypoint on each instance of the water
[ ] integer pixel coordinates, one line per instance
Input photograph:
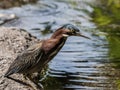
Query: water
(82, 64)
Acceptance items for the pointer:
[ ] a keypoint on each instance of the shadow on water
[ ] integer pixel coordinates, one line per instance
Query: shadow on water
(81, 64)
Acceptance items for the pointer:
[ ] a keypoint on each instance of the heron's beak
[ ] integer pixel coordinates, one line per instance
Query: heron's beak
(79, 34)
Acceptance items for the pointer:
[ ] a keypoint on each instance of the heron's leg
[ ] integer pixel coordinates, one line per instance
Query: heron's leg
(43, 73)
(34, 84)
(43, 78)
(18, 81)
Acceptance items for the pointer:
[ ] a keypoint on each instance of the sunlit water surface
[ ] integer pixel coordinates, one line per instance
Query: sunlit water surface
(82, 64)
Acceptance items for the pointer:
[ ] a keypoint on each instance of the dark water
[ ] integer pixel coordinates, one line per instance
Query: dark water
(82, 64)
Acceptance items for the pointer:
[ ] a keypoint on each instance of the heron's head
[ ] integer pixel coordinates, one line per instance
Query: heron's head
(71, 30)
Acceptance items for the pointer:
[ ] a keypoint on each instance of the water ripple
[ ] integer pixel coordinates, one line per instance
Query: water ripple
(82, 64)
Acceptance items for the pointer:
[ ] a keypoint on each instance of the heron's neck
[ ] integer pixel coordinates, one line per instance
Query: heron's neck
(59, 34)
(56, 43)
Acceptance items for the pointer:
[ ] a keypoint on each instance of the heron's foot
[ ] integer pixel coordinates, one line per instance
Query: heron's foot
(25, 77)
(36, 86)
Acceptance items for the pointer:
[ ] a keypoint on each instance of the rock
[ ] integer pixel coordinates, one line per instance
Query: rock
(12, 42)
(4, 4)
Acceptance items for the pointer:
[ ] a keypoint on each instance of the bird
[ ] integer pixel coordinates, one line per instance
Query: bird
(35, 57)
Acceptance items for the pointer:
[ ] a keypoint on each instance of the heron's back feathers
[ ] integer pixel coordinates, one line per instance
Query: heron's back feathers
(26, 60)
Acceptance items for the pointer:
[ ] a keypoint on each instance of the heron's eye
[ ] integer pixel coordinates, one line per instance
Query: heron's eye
(72, 31)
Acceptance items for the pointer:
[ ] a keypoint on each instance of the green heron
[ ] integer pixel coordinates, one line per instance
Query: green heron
(37, 56)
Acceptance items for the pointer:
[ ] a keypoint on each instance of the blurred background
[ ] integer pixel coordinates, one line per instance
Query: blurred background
(82, 64)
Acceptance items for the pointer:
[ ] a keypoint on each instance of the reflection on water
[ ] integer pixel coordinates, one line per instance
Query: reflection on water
(82, 64)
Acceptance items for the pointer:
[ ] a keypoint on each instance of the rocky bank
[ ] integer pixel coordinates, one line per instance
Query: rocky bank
(12, 42)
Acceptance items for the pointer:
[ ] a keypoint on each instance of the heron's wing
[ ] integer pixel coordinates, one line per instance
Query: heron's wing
(26, 60)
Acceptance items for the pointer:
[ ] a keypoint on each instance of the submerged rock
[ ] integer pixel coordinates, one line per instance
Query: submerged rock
(4, 4)
(4, 18)
(12, 42)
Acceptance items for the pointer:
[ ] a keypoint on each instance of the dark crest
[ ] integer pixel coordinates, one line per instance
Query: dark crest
(71, 27)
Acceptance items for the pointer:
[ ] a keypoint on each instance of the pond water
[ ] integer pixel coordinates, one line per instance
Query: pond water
(82, 64)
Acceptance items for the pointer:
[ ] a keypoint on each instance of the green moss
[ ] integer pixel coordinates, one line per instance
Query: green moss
(107, 13)
(118, 84)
